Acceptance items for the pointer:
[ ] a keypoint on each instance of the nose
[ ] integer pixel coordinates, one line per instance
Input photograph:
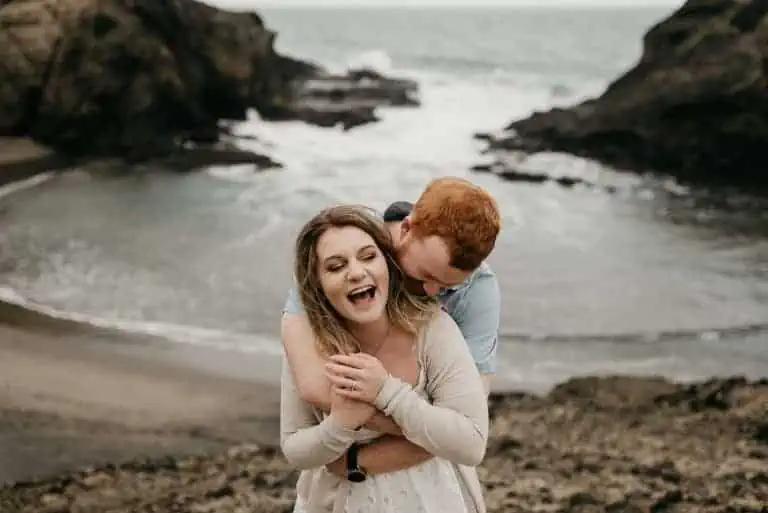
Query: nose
(431, 288)
(355, 271)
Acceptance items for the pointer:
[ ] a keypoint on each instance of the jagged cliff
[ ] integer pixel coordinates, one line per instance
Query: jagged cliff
(695, 105)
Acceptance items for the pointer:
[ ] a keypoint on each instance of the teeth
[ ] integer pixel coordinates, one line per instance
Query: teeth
(361, 290)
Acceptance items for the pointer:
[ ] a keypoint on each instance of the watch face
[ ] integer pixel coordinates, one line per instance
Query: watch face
(356, 476)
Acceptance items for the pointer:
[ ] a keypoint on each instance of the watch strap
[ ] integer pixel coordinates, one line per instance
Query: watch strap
(352, 457)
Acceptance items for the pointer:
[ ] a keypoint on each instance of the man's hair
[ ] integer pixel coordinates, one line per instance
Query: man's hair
(464, 215)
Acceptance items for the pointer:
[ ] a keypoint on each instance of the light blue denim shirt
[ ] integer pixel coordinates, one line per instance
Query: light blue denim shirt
(475, 306)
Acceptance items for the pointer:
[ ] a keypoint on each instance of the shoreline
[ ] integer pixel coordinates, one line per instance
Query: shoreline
(22, 158)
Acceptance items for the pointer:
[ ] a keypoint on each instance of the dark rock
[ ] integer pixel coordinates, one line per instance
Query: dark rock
(695, 105)
(482, 168)
(761, 432)
(361, 85)
(581, 499)
(667, 502)
(348, 100)
(504, 444)
(625, 506)
(483, 137)
(107, 76)
(521, 176)
(140, 78)
(613, 391)
(205, 156)
(713, 394)
(591, 445)
(506, 167)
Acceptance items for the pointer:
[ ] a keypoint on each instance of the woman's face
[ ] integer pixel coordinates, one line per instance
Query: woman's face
(353, 274)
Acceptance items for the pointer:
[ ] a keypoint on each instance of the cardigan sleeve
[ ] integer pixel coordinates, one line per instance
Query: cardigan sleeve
(454, 426)
(305, 441)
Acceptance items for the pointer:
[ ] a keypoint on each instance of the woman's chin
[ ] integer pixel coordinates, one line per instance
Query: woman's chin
(368, 315)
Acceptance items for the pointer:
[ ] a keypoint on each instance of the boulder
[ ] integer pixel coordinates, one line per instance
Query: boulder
(93, 76)
(695, 106)
(145, 78)
(348, 99)
(360, 85)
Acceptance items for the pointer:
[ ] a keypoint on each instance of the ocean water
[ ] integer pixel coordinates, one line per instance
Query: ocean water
(654, 279)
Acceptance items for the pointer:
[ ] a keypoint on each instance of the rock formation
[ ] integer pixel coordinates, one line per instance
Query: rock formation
(140, 77)
(592, 445)
(695, 106)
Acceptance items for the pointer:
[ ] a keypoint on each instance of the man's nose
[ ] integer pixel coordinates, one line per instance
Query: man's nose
(431, 288)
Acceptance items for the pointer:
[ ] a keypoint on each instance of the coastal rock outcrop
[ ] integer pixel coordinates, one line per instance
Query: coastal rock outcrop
(592, 445)
(141, 77)
(695, 106)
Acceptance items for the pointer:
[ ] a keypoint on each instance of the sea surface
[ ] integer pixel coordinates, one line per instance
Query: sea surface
(653, 279)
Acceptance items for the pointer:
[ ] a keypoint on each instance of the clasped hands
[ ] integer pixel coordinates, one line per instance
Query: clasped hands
(356, 380)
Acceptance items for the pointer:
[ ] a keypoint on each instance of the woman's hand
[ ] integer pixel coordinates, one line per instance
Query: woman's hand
(357, 376)
(350, 413)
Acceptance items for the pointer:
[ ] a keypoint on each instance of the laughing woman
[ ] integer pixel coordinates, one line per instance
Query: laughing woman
(388, 351)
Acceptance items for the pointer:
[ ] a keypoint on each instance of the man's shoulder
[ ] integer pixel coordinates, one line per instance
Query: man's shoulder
(479, 292)
(482, 274)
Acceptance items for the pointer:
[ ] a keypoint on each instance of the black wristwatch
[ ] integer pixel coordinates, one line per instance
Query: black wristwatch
(355, 472)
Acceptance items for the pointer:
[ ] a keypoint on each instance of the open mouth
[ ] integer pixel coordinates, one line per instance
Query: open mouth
(362, 295)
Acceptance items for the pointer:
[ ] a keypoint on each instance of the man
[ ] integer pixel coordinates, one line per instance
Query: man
(441, 243)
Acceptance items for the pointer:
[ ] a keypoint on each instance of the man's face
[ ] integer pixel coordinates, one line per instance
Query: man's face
(426, 261)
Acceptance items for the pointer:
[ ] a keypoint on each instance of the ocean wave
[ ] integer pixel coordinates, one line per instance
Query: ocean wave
(33, 181)
(18, 309)
(709, 334)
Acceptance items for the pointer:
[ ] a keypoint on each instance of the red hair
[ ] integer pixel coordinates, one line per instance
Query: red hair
(464, 215)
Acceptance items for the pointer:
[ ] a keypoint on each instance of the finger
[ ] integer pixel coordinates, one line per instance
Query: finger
(350, 360)
(349, 393)
(344, 370)
(365, 356)
(340, 381)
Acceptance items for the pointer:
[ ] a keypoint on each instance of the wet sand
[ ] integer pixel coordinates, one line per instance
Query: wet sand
(21, 158)
(67, 401)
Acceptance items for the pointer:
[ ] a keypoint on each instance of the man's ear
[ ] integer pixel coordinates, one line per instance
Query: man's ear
(405, 226)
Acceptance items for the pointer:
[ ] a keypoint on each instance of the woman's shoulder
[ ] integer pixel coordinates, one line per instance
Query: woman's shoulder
(442, 320)
(442, 329)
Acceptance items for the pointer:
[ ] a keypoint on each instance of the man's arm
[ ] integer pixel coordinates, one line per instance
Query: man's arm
(386, 454)
(306, 363)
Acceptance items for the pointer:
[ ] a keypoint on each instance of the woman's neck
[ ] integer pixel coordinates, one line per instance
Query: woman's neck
(371, 335)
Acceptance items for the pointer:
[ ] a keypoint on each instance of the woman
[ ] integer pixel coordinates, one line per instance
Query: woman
(387, 351)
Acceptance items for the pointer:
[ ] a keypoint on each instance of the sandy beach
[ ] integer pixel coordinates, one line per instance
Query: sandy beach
(21, 157)
(66, 402)
(88, 425)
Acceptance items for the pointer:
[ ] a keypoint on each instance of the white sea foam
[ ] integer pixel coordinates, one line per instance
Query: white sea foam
(181, 334)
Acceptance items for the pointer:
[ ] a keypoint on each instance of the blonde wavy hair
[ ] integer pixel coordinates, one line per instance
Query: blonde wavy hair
(405, 310)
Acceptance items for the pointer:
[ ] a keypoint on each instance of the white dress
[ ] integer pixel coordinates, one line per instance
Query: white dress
(431, 487)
